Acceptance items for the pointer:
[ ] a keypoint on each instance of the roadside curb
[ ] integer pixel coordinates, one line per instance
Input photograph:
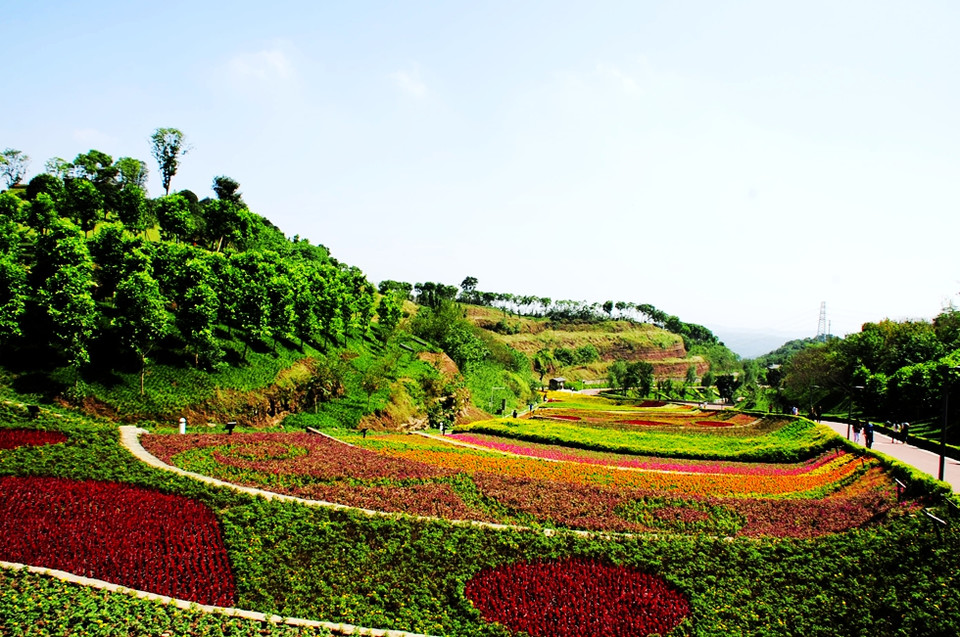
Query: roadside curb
(338, 629)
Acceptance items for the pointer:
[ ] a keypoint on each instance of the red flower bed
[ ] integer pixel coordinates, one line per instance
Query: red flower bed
(13, 438)
(561, 417)
(135, 537)
(577, 597)
(652, 403)
(714, 423)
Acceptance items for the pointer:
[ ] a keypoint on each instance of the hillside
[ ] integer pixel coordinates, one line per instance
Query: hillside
(612, 340)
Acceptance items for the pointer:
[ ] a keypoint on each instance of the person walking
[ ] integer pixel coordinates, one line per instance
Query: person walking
(904, 432)
(868, 434)
(857, 428)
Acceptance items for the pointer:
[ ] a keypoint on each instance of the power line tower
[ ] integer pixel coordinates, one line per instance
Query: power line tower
(822, 324)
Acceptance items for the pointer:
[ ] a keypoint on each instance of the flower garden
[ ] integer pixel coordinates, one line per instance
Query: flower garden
(755, 526)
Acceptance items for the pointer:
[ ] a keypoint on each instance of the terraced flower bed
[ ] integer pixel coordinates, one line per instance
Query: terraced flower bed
(720, 554)
(434, 477)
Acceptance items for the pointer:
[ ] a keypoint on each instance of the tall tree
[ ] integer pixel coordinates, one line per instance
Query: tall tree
(142, 318)
(65, 277)
(168, 146)
(13, 166)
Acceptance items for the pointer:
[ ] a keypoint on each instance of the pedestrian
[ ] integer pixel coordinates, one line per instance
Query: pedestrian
(895, 433)
(868, 434)
(857, 428)
(904, 432)
(441, 427)
(514, 413)
(819, 413)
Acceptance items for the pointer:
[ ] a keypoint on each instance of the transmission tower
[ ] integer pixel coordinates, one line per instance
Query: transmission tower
(822, 324)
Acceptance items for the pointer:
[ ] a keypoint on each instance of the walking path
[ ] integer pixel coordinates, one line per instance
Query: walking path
(924, 460)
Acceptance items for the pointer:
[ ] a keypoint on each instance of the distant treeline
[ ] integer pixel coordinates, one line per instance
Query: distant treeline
(432, 294)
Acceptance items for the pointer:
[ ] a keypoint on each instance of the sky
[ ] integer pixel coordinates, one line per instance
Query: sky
(736, 164)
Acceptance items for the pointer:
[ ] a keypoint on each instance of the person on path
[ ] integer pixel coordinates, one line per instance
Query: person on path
(868, 434)
(857, 428)
(904, 432)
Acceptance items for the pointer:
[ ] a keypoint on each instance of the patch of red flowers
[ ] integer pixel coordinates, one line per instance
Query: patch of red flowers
(13, 438)
(561, 417)
(577, 597)
(714, 423)
(128, 535)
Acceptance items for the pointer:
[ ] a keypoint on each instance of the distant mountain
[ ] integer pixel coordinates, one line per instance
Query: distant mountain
(752, 343)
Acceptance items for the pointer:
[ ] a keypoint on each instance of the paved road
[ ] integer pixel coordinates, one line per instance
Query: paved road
(925, 461)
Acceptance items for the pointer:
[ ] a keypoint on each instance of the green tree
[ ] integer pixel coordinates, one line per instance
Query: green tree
(226, 223)
(42, 213)
(173, 215)
(306, 322)
(196, 312)
(141, 317)
(13, 295)
(228, 189)
(13, 166)
(84, 203)
(12, 208)
(727, 385)
(132, 172)
(642, 372)
(65, 283)
(45, 183)
(132, 208)
(468, 289)
(167, 147)
(389, 313)
(544, 363)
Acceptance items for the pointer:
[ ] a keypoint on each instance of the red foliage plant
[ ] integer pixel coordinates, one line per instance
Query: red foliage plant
(13, 438)
(714, 423)
(577, 597)
(128, 535)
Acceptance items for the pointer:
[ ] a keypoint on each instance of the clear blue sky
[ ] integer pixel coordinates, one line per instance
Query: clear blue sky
(732, 163)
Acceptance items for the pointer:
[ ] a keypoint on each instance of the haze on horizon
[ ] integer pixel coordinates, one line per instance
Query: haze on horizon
(734, 164)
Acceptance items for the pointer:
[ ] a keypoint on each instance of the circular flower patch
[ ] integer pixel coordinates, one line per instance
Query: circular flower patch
(577, 597)
(13, 438)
